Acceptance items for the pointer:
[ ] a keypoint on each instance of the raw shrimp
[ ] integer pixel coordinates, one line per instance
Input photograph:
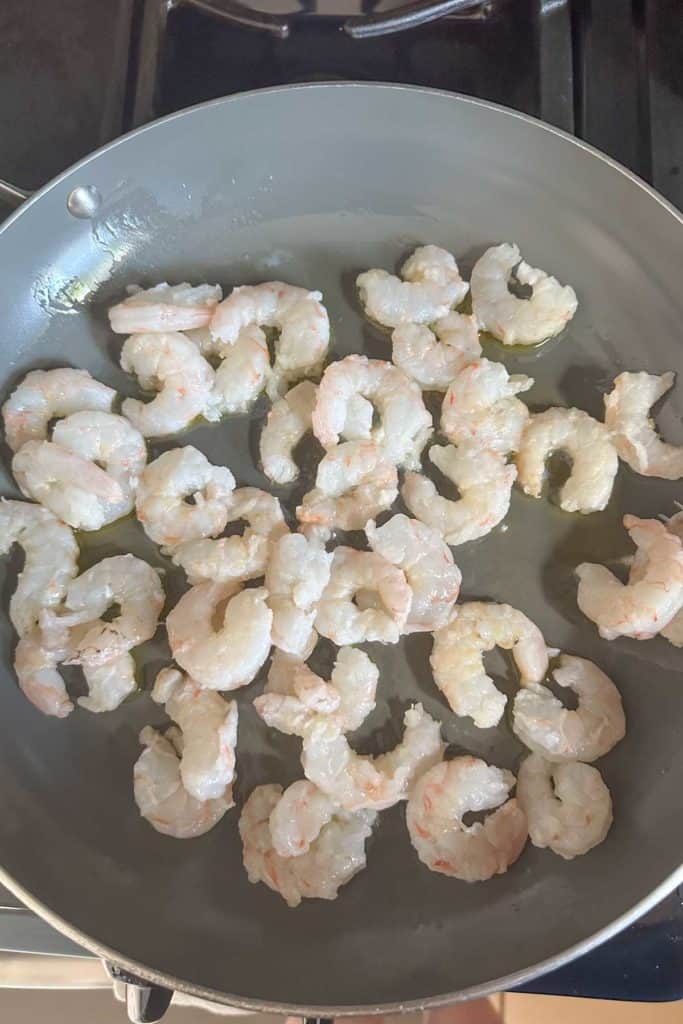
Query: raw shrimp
(209, 728)
(480, 407)
(159, 792)
(435, 812)
(295, 695)
(568, 806)
(512, 320)
(587, 442)
(382, 599)
(288, 421)
(109, 441)
(241, 376)
(35, 664)
(355, 781)
(298, 818)
(109, 683)
(354, 483)
(673, 632)
(45, 395)
(430, 288)
(548, 728)
(428, 564)
(457, 657)
(165, 307)
(484, 481)
(168, 482)
(405, 425)
(433, 356)
(639, 609)
(51, 555)
(334, 856)
(236, 557)
(298, 571)
(170, 364)
(627, 416)
(228, 657)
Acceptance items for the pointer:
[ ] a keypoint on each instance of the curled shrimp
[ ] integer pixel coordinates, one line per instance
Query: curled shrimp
(430, 288)
(241, 375)
(587, 442)
(427, 562)
(382, 599)
(354, 483)
(568, 806)
(288, 420)
(457, 657)
(546, 727)
(627, 417)
(432, 356)
(436, 809)
(640, 608)
(484, 481)
(297, 573)
(171, 365)
(480, 407)
(165, 307)
(109, 441)
(298, 818)
(108, 683)
(512, 320)
(36, 666)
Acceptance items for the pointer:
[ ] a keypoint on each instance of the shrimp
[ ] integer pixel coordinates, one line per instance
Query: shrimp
(298, 818)
(51, 556)
(355, 781)
(433, 356)
(405, 425)
(430, 288)
(480, 407)
(288, 421)
(45, 395)
(436, 809)
(294, 695)
(159, 792)
(170, 364)
(35, 663)
(512, 320)
(568, 806)
(484, 481)
(354, 482)
(165, 486)
(627, 417)
(335, 854)
(586, 441)
(230, 656)
(109, 683)
(546, 727)
(297, 572)
(241, 376)
(237, 557)
(673, 632)
(109, 441)
(640, 608)
(382, 599)
(209, 728)
(427, 562)
(165, 307)
(457, 657)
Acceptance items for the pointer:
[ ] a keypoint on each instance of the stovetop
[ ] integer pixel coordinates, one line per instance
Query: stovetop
(75, 74)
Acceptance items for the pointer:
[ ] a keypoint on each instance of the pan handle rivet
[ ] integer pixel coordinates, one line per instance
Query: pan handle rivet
(83, 201)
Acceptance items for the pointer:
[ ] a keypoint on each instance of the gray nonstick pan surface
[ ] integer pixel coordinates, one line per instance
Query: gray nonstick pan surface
(311, 184)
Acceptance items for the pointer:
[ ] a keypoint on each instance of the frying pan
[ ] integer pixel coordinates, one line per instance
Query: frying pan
(312, 184)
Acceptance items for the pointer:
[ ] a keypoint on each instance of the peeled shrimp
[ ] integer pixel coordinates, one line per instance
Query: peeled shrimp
(512, 320)
(170, 364)
(298, 571)
(428, 564)
(241, 376)
(587, 442)
(546, 727)
(356, 781)
(405, 425)
(433, 356)
(673, 631)
(480, 407)
(484, 481)
(435, 812)
(354, 483)
(298, 818)
(568, 806)
(109, 441)
(382, 599)
(227, 657)
(334, 855)
(641, 608)
(108, 683)
(35, 663)
(430, 288)
(288, 421)
(159, 792)
(627, 416)
(166, 307)
(457, 657)
(45, 395)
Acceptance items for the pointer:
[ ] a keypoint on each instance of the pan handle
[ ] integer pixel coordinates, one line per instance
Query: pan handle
(146, 1003)
(367, 26)
(12, 195)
